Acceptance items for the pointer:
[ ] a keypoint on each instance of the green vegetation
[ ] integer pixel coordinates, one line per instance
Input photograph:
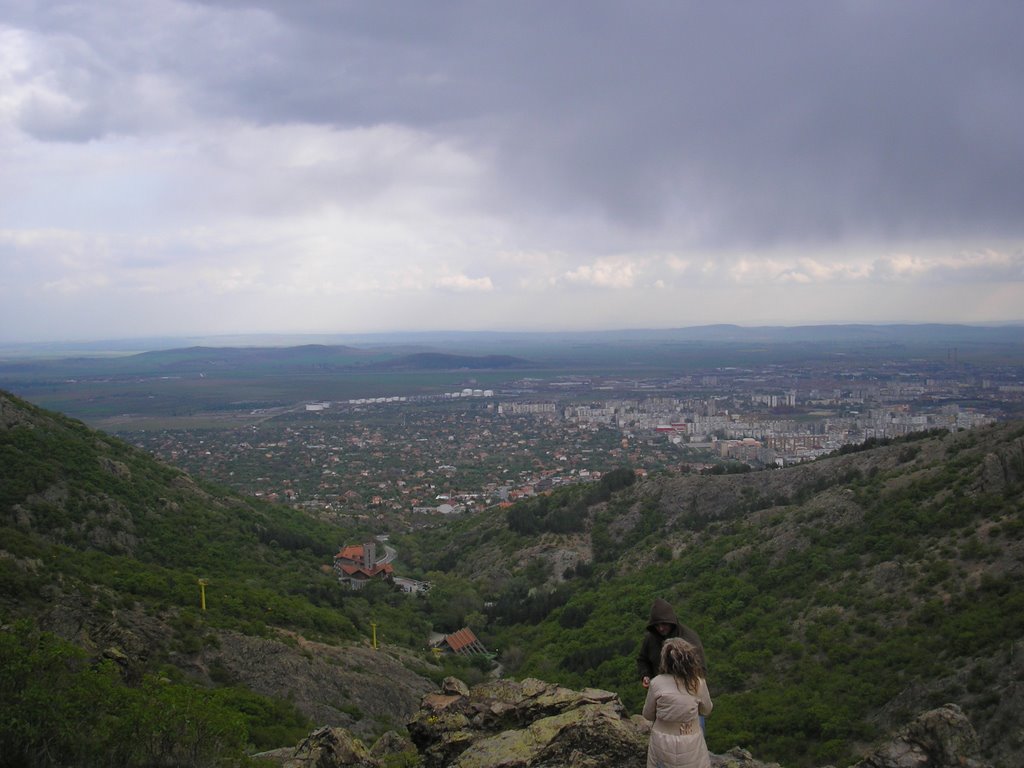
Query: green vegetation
(821, 592)
(60, 708)
(116, 520)
(90, 520)
(566, 512)
(877, 442)
(812, 621)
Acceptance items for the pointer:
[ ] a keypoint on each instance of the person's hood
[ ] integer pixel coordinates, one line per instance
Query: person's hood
(662, 613)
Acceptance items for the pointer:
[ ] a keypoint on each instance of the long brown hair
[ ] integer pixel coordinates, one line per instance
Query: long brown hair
(679, 659)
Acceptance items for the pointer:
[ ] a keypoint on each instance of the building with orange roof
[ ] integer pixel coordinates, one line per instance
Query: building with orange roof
(357, 564)
(463, 642)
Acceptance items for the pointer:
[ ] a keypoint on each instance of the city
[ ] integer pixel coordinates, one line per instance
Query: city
(399, 462)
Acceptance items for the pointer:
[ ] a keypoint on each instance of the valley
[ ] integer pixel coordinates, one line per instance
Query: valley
(838, 596)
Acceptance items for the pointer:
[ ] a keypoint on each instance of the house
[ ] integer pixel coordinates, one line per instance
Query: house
(358, 564)
(463, 642)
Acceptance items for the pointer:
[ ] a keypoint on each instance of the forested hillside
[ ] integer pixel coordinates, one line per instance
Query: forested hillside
(108, 656)
(836, 599)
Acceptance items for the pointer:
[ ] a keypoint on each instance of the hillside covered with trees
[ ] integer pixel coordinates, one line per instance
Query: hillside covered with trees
(836, 600)
(108, 655)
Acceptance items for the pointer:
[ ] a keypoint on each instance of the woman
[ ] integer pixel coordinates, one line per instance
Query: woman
(675, 700)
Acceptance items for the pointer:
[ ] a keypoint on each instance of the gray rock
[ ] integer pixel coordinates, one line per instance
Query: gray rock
(941, 738)
(533, 724)
(738, 758)
(323, 748)
(528, 724)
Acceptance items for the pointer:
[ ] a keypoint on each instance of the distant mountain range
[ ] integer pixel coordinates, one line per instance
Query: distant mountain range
(220, 361)
(607, 351)
(929, 333)
(310, 357)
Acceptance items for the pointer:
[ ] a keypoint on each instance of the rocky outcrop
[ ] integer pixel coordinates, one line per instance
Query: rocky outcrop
(533, 724)
(349, 686)
(1003, 468)
(353, 686)
(323, 748)
(506, 724)
(14, 412)
(941, 738)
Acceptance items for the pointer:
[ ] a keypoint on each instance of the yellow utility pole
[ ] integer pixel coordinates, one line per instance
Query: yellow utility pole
(373, 626)
(202, 593)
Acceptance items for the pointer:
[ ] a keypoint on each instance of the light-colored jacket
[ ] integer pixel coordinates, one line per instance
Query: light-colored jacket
(677, 740)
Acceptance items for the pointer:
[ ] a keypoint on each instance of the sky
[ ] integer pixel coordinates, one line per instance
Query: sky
(186, 167)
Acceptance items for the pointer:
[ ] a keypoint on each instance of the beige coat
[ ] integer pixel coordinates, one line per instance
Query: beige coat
(677, 740)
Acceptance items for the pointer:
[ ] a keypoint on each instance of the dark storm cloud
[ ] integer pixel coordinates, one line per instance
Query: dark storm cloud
(699, 124)
(728, 123)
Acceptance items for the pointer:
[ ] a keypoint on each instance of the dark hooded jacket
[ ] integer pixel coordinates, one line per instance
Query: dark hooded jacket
(649, 658)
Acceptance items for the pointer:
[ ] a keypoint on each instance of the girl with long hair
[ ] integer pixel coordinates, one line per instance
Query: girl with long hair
(676, 699)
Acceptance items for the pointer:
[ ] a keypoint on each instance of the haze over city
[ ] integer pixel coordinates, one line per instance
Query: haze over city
(182, 168)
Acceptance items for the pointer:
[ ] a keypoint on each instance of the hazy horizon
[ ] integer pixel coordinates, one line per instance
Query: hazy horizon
(708, 333)
(509, 167)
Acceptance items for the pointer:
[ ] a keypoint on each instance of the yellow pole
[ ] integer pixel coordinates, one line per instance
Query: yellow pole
(373, 626)
(202, 593)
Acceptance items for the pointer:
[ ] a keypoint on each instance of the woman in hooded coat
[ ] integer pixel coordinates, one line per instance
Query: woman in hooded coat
(676, 699)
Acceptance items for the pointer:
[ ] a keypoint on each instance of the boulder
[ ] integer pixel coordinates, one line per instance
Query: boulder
(592, 736)
(940, 738)
(392, 744)
(323, 748)
(527, 724)
(738, 758)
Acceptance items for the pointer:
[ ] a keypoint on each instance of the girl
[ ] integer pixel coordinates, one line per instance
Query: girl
(675, 700)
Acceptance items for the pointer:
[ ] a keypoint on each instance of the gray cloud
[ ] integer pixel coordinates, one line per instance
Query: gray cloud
(744, 122)
(531, 145)
(712, 124)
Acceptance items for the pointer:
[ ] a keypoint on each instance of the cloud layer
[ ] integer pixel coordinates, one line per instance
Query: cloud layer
(206, 167)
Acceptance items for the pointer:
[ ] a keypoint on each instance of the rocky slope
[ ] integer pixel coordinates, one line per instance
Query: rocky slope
(348, 685)
(533, 724)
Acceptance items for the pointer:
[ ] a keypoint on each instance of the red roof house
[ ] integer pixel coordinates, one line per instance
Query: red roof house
(357, 564)
(463, 642)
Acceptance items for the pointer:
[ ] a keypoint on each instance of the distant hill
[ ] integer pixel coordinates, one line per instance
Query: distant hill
(212, 360)
(435, 361)
(475, 343)
(194, 359)
(250, 361)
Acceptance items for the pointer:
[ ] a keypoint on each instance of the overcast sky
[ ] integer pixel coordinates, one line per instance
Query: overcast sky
(183, 167)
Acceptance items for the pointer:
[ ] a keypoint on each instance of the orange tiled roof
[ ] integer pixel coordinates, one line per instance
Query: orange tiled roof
(352, 570)
(459, 640)
(352, 552)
